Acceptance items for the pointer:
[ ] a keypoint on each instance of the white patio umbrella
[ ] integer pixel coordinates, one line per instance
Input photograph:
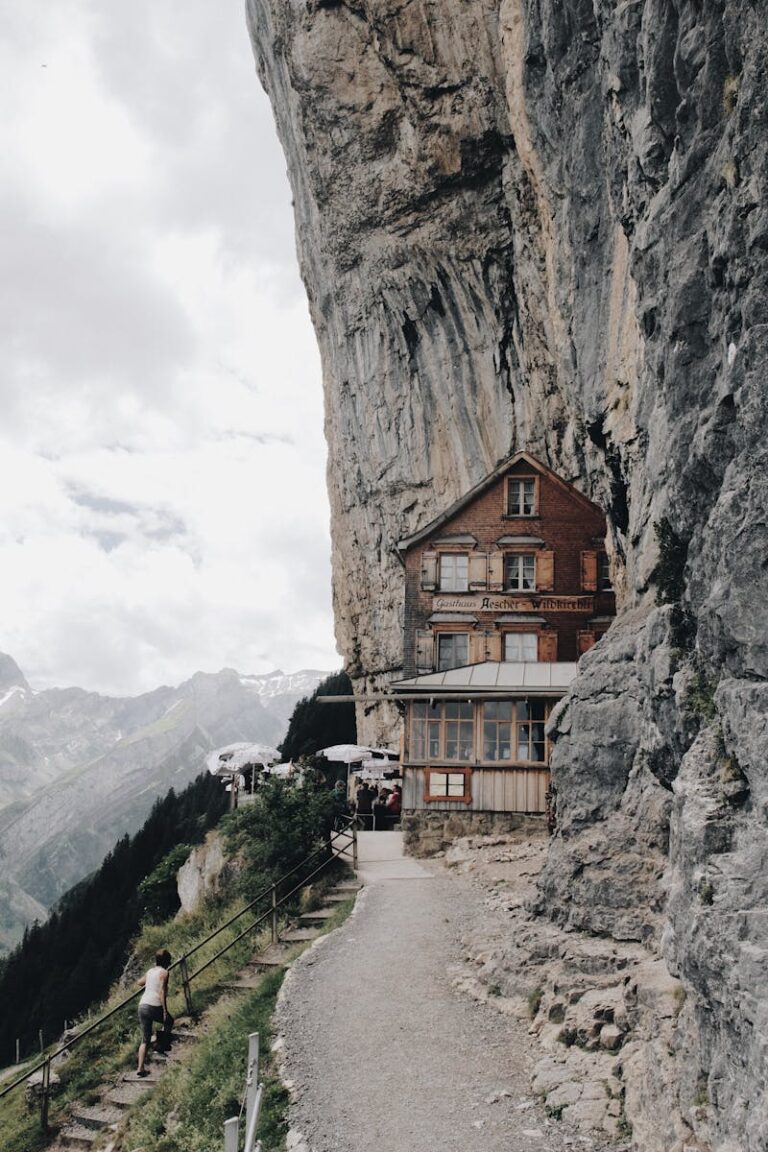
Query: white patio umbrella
(353, 753)
(233, 757)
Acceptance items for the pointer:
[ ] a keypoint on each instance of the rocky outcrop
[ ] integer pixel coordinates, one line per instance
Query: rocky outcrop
(543, 224)
(202, 874)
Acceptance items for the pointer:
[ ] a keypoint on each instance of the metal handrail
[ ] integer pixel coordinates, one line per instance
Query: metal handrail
(349, 829)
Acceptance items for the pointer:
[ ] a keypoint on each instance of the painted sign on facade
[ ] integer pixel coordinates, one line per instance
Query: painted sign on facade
(491, 603)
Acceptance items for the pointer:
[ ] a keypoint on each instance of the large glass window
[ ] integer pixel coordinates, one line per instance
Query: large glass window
(452, 650)
(520, 572)
(521, 647)
(454, 572)
(521, 497)
(445, 731)
(531, 741)
(497, 730)
(513, 730)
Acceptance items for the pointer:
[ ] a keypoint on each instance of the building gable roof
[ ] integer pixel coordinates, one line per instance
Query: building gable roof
(409, 542)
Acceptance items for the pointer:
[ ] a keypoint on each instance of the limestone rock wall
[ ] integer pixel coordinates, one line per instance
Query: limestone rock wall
(543, 224)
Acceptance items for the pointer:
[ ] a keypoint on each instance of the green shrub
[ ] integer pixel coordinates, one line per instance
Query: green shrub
(669, 573)
(287, 821)
(158, 891)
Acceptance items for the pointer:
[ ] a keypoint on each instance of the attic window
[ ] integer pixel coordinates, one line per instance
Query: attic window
(522, 496)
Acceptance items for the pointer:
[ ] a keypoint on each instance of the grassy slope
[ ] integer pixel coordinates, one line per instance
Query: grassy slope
(186, 1112)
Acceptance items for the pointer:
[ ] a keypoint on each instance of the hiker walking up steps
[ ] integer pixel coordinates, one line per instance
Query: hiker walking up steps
(153, 1006)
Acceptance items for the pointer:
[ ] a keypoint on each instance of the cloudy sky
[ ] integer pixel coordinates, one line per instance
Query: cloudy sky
(162, 488)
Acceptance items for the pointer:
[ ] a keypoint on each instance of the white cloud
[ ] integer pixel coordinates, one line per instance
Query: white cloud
(162, 492)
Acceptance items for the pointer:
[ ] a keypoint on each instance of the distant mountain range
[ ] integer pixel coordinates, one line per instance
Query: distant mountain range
(79, 770)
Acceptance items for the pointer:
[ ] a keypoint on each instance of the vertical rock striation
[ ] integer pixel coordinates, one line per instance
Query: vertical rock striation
(543, 224)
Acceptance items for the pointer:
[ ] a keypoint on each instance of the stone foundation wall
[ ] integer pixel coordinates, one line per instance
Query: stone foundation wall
(426, 833)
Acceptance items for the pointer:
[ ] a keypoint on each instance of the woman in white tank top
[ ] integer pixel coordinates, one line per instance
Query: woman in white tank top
(153, 1007)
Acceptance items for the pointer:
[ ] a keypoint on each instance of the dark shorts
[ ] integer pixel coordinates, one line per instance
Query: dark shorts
(150, 1014)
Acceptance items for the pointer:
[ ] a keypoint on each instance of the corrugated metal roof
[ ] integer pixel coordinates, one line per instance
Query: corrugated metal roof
(533, 677)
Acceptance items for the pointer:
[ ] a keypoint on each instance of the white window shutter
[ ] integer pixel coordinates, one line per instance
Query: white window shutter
(478, 571)
(496, 572)
(429, 571)
(548, 647)
(545, 571)
(476, 648)
(425, 650)
(589, 571)
(494, 647)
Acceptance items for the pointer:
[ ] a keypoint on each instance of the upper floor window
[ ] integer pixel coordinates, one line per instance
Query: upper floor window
(452, 650)
(603, 573)
(521, 647)
(520, 572)
(454, 572)
(521, 496)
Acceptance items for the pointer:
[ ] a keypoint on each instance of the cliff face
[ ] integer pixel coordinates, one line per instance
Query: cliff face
(543, 224)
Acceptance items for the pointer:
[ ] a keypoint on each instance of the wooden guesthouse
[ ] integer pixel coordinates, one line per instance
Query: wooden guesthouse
(504, 591)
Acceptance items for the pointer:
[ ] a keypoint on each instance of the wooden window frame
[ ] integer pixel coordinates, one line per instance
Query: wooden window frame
(436, 716)
(482, 721)
(518, 480)
(441, 556)
(517, 724)
(444, 635)
(521, 557)
(435, 770)
(515, 759)
(519, 632)
(603, 572)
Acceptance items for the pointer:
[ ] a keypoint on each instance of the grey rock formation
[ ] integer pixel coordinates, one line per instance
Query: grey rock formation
(543, 224)
(79, 770)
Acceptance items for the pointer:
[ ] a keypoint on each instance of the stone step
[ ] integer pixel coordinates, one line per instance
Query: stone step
(299, 935)
(76, 1136)
(274, 956)
(128, 1093)
(247, 984)
(340, 897)
(347, 886)
(317, 917)
(96, 1116)
(183, 1035)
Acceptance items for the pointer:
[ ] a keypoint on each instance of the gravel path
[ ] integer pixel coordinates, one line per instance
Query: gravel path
(385, 1056)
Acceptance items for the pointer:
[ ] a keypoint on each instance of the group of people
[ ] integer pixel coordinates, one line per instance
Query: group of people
(378, 808)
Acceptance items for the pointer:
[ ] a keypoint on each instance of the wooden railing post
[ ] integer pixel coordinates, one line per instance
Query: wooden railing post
(274, 914)
(45, 1094)
(186, 986)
